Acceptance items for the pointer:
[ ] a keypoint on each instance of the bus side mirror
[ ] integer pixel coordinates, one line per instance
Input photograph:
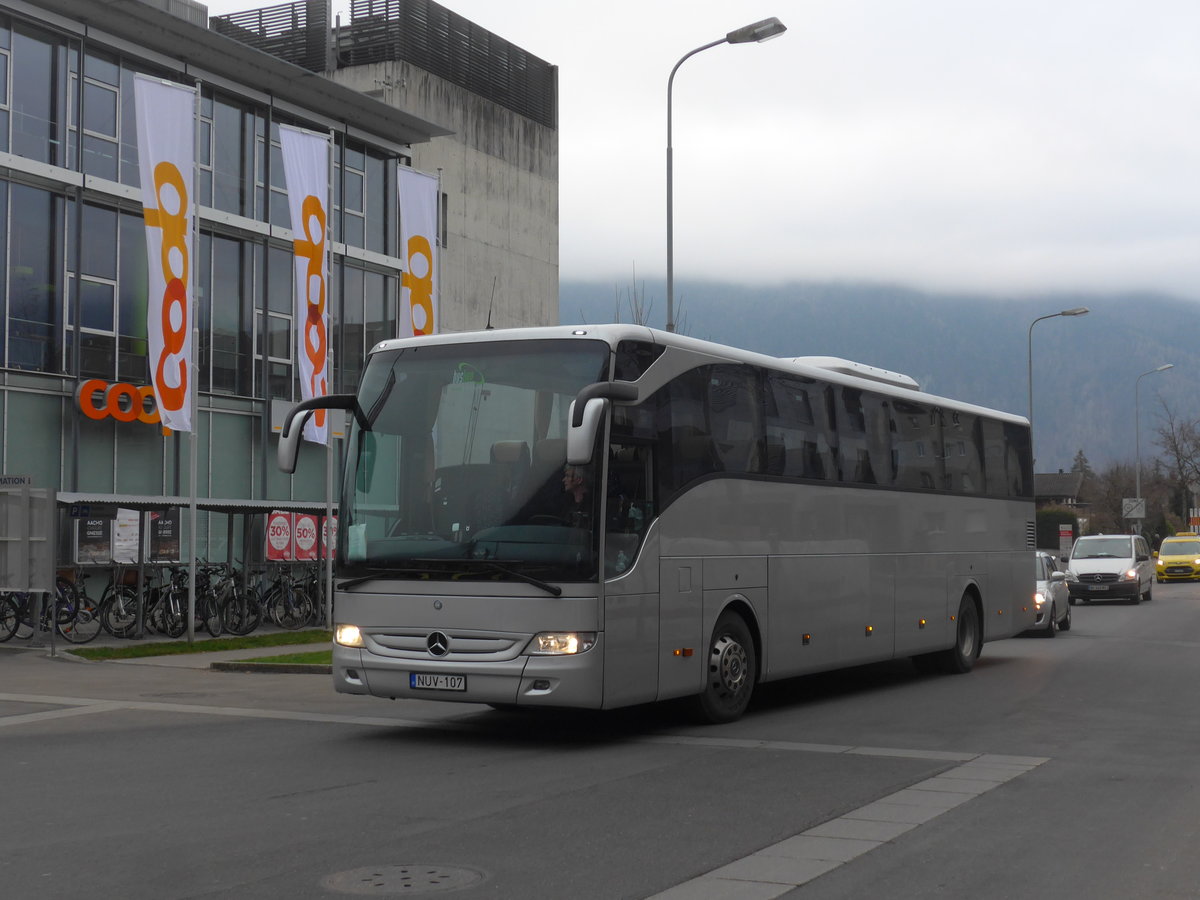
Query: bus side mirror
(293, 425)
(587, 413)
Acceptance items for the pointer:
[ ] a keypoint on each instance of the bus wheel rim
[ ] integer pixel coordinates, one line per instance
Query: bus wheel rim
(730, 664)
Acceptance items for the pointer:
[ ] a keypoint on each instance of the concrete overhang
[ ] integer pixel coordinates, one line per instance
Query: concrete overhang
(193, 46)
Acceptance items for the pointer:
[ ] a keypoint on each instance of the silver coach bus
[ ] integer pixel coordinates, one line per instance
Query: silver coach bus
(610, 515)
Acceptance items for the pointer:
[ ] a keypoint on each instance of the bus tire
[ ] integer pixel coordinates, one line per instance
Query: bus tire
(730, 671)
(968, 639)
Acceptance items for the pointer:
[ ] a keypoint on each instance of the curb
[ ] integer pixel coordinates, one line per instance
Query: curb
(276, 668)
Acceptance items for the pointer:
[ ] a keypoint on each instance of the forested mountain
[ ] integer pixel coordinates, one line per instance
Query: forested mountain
(973, 348)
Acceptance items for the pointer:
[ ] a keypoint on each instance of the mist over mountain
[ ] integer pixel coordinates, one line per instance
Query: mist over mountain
(969, 347)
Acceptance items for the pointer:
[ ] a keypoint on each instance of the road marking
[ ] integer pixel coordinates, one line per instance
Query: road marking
(781, 867)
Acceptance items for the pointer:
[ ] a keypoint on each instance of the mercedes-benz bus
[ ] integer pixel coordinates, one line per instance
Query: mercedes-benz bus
(601, 516)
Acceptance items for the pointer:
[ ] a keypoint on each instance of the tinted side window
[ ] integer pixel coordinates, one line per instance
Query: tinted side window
(634, 358)
(736, 418)
(963, 453)
(864, 436)
(799, 440)
(915, 445)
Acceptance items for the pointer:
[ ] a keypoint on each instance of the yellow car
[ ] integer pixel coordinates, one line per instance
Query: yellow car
(1178, 558)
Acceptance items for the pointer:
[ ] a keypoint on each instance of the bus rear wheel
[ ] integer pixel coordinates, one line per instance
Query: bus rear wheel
(968, 641)
(730, 672)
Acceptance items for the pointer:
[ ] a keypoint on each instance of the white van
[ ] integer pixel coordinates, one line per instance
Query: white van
(1110, 567)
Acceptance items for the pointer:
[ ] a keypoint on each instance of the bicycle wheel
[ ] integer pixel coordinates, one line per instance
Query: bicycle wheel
(66, 601)
(294, 609)
(243, 612)
(118, 613)
(10, 617)
(27, 605)
(174, 614)
(210, 613)
(84, 625)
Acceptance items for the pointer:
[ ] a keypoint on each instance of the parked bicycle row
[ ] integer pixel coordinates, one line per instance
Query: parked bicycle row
(225, 603)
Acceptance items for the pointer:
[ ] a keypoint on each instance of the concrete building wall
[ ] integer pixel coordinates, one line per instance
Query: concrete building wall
(499, 172)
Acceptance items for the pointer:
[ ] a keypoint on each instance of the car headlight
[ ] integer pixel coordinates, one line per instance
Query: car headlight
(1159, 563)
(348, 635)
(561, 643)
(1130, 575)
(1038, 599)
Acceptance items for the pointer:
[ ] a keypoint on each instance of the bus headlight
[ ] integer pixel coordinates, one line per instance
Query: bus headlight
(348, 635)
(561, 643)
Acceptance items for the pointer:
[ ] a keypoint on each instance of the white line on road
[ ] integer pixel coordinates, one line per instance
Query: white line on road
(775, 870)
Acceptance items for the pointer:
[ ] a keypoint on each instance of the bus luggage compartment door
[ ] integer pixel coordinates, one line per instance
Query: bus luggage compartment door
(680, 628)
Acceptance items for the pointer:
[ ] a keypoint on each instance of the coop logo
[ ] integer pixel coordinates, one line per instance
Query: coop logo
(170, 218)
(99, 400)
(419, 281)
(311, 248)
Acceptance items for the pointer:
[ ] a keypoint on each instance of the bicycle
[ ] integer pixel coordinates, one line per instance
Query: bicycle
(10, 617)
(75, 620)
(288, 602)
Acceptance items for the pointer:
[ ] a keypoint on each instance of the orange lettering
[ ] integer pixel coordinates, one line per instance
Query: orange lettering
(170, 217)
(315, 339)
(420, 287)
(124, 402)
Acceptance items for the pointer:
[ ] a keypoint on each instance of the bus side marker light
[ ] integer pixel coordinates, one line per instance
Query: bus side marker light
(806, 638)
(682, 651)
(920, 623)
(869, 630)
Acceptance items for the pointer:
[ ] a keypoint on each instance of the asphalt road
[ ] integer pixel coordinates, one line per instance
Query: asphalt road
(151, 781)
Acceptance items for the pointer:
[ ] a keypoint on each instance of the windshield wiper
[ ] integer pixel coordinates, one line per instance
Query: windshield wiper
(552, 589)
(528, 579)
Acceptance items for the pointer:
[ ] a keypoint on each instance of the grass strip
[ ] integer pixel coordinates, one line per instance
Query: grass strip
(138, 650)
(317, 657)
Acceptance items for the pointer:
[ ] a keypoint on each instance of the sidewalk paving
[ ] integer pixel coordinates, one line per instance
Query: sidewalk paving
(223, 660)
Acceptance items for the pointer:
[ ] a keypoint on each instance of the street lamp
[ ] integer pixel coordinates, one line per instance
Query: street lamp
(755, 33)
(1076, 311)
(1137, 430)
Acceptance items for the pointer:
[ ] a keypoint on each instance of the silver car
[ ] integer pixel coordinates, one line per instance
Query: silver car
(1051, 597)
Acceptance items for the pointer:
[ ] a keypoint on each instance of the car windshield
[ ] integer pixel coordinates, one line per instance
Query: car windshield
(1102, 548)
(459, 471)
(1180, 548)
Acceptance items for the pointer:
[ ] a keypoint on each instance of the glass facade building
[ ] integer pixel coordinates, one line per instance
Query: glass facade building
(73, 271)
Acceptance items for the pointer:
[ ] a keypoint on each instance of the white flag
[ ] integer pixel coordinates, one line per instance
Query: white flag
(166, 121)
(306, 169)
(418, 243)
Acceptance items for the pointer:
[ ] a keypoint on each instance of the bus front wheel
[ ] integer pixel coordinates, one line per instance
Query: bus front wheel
(730, 671)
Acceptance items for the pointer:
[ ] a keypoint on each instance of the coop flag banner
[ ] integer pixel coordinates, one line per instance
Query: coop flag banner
(418, 240)
(306, 169)
(166, 121)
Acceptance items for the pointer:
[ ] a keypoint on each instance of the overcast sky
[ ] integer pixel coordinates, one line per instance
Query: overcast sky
(1005, 146)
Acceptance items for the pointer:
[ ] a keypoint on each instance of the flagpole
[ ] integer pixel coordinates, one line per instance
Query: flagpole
(328, 560)
(193, 368)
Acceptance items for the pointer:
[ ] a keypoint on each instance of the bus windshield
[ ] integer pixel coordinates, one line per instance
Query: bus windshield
(460, 470)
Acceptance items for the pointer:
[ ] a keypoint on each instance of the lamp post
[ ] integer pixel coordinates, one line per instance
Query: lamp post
(755, 33)
(1137, 429)
(1076, 311)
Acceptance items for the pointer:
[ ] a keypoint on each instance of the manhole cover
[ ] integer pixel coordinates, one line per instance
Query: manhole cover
(383, 880)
